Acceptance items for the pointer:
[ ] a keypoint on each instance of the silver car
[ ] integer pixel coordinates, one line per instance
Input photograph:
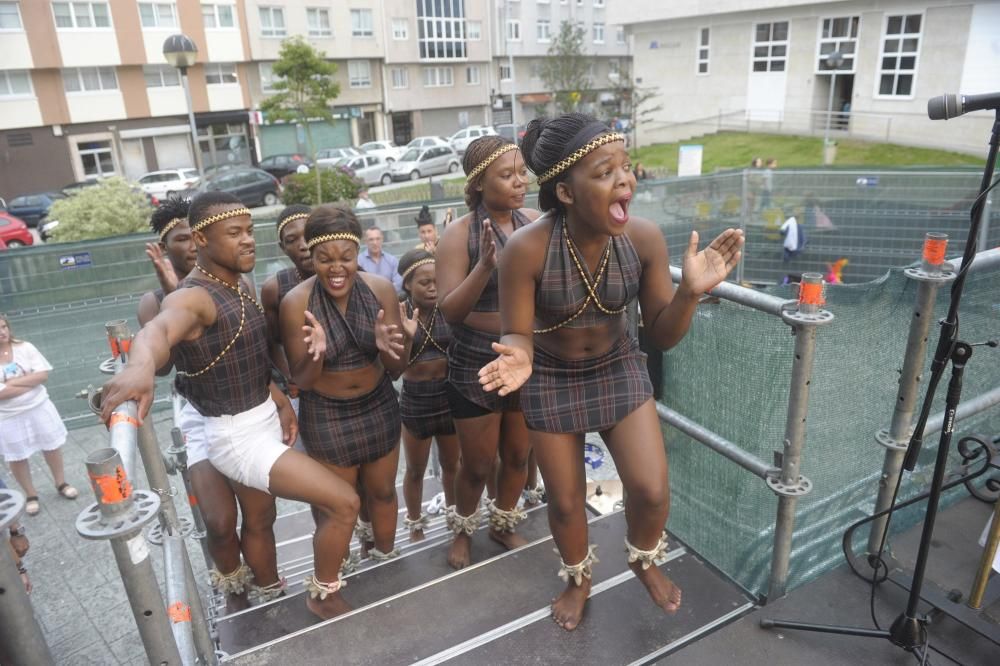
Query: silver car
(418, 162)
(329, 156)
(371, 169)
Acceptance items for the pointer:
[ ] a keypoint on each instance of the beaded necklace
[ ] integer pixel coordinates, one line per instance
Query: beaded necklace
(428, 338)
(591, 286)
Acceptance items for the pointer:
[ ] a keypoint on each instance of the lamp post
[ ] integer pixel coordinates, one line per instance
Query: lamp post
(181, 52)
(833, 61)
(510, 66)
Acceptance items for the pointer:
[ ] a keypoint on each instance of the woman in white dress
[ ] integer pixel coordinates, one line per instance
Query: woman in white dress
(29, 421)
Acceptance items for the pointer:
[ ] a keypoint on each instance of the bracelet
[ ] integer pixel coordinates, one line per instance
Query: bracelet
(22, 570)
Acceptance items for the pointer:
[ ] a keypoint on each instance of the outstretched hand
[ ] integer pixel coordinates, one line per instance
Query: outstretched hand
(702, 271)
(507, 372)
(410, 323)
(387, 339)
(315, 337)
(164, 269)
(487, 246)
(132, 383)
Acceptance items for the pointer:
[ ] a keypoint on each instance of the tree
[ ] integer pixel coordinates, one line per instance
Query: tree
(305, 85)
(337, 184)
(111, 207)
(634, 101)
(565, 71)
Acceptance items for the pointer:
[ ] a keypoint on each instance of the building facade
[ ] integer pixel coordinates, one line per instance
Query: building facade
(782, 65)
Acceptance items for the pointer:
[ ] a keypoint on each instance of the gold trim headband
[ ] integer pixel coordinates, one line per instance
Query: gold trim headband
(313, 242)
(481, 167)
(578, 154)
(170, 227)
(218, 217)
(291, 218)
(415, 265)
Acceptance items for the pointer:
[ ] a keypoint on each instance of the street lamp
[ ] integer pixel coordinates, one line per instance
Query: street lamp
(181, 52)
(833, 62)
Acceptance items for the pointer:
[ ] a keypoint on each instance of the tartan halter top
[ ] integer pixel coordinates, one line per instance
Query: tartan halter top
(350, 335)
(489, 299)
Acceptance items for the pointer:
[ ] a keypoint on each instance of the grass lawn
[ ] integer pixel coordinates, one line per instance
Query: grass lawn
(734, 150)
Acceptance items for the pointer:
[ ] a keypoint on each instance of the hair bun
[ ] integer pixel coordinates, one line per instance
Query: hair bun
(531, 134)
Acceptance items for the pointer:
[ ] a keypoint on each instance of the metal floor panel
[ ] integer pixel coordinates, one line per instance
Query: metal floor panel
(621, 625)
(258, 625)
(449, 611)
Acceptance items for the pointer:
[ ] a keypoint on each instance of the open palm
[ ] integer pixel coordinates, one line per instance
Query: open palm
(507, 372)
(704, 270)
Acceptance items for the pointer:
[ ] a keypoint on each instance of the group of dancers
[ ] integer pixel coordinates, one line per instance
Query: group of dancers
(510, 337)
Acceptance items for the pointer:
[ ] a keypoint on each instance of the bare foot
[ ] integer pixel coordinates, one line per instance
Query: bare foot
(416, 534)
(567, 609)
(237, 602)
(332, 606)
(459, 555)
(509, 540)
(661, 589)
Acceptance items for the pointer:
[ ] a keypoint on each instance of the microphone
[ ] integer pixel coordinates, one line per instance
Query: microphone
(944, 107)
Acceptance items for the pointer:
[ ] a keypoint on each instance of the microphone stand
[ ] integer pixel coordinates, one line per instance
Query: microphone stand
(909, 630)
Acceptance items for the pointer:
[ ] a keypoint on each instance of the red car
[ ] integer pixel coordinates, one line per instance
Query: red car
(13, 231)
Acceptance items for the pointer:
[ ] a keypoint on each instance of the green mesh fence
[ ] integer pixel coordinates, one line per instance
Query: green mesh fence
(731, 374)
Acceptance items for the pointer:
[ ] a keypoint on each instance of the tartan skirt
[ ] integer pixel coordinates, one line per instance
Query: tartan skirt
(424, 408)
(352, 431)
(468, 351)
(586, 395)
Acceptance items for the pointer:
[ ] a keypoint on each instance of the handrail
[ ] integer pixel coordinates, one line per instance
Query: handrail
(966, 409)
(751, 298)
(984, 260)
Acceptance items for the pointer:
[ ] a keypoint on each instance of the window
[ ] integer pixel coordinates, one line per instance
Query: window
(319, 22)
(841, 35)
(898, 64)
(161, 76)
(536, 69)
(472, 75)
(272, 21)
(543, 32)
(267, 77)
(438, 76)
(513, 30)
(620, 35)
(505, 72)
(400, 77)
(361, 23)
(475, 29)
(96, 158)
(81, 14)
(598, 33)
(10, 17)
(770, 46)
(400, 28)
(441, 28)
(157, 15)
(359, 73)
(218, 73)
(14, 82)
(703, 39)
(217, 16)
(89, 79)
(614, 67)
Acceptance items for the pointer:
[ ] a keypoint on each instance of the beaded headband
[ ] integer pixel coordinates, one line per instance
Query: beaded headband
(218, 217)
(481, 167)
(415, 265)
(332, 237)
(291, 218)
(578, 154)
(170, 227)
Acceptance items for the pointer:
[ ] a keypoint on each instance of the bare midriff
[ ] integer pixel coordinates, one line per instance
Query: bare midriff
(346, 384)
(580, 343)
(423, 371)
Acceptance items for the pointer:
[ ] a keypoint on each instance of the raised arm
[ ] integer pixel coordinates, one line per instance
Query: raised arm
(302, 337)
(461, 287)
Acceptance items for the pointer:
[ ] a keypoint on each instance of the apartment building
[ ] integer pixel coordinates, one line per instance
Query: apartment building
(525, 30)
(767, 64)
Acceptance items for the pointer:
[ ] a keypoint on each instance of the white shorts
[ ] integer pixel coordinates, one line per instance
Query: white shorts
(245, 446)
(192, 425)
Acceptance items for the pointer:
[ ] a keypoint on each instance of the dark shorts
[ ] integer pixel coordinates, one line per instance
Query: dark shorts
(461, 407)
(350, 432)
(586, 395)
(468, 351)
(424, 408)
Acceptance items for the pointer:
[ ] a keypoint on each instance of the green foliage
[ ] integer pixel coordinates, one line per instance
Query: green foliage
(112, 207)
(565, 70)
(336, 185)
(304, 83)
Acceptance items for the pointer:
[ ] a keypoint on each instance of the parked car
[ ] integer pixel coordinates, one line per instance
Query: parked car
(371, 169)
(507, 132)
(387, 150)
(14, 232)
(427, 142)
(252, 187)
(461, 139)
(280, 166)
(168, 182)
(329, 156)
(33, 207)
(418, 162)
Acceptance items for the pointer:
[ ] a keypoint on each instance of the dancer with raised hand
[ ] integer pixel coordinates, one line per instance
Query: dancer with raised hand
(468, 280)
(566, 281)
(423, 403)
(217, 333)
(355, 337)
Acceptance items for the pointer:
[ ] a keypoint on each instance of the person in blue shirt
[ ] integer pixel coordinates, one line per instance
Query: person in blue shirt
(374, 260)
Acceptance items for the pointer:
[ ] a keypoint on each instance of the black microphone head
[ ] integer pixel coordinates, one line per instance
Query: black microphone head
(943, 107)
